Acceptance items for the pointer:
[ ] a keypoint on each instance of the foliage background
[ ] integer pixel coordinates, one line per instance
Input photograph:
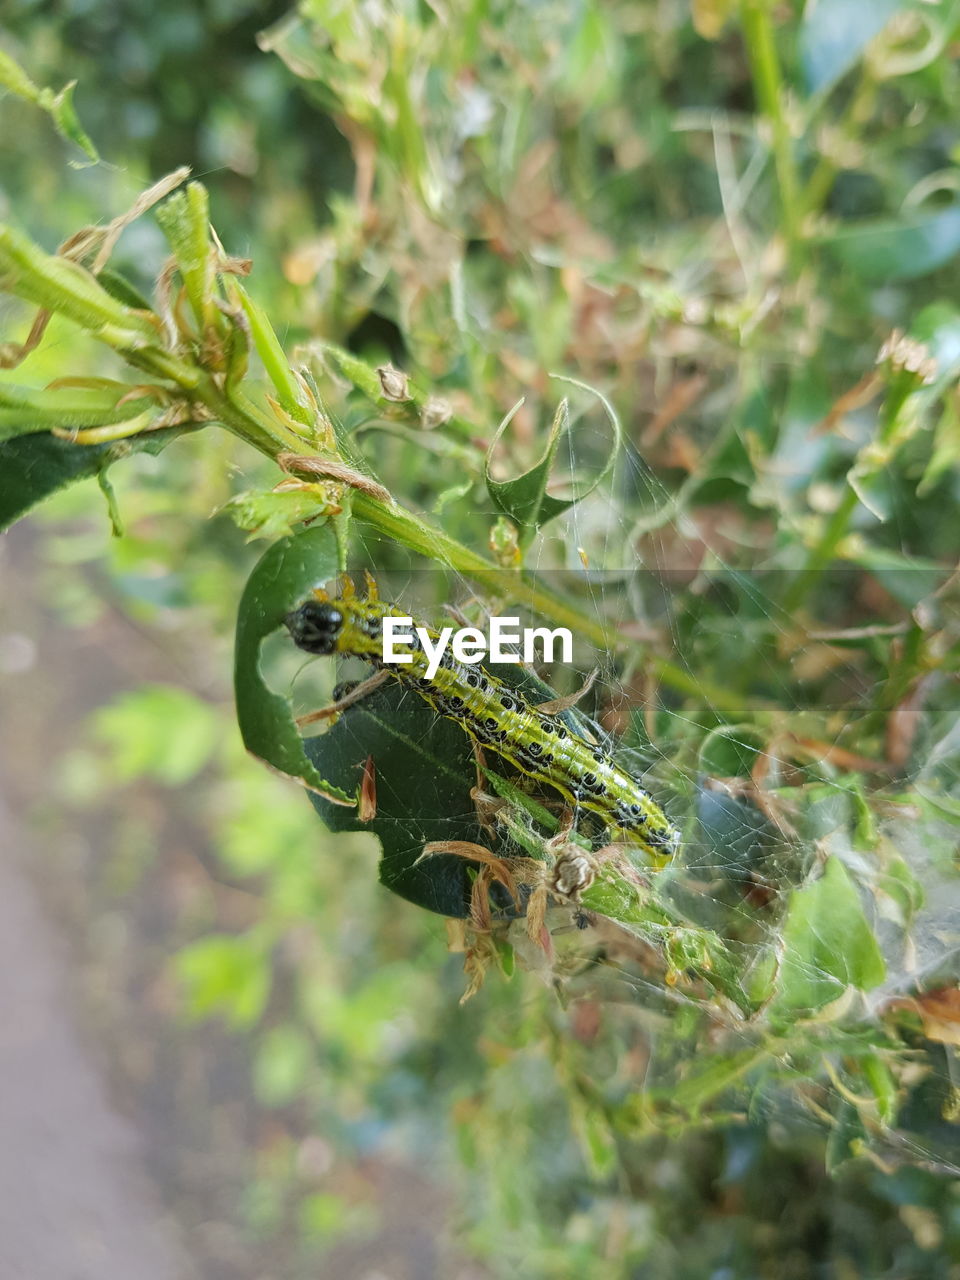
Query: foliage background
(641, 195)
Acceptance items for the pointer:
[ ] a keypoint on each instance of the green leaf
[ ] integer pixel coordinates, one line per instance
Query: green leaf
(882, 1084)
(24, 410)
(524, 499)
(119, 287)
(59, 106)
(835, 33)
(425, 771)
(283, 577)
(273, 357)
(271, 514)
(828, 945)
(184, 219)
(33, 467)
(880, 249)
(67, 122)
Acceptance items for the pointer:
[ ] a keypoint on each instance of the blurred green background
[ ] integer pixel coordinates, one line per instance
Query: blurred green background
(718, 214)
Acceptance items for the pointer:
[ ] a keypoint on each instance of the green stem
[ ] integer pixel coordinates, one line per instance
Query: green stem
(822, 553)
(62, 286)
(413, 531)
(768, 86)
(821, 180)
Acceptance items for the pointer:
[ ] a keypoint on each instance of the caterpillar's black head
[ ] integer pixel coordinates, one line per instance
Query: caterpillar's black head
(315, 626)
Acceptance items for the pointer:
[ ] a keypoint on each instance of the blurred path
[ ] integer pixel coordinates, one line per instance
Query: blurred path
(74, 1201)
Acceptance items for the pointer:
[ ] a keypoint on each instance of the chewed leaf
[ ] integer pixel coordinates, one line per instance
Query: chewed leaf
(524, 499)
(829, 945)
(284, 575)
(425, 772)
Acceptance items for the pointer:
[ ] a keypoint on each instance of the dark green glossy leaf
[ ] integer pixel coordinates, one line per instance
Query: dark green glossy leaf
(33, 467)
(284, 575)
(425, 771)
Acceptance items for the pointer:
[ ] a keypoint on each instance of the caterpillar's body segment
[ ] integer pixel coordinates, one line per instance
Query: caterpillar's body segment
(496, 716)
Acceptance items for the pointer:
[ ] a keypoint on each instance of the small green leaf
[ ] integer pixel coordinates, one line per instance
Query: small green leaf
(524, 499)
(828, 945)
(273, 357)
(119, 287)
(285, 574)
(706, 1082)
(59, 106)
(882, 1084)
(269, 514)
(184, 219)
(33, 467)
(67, 122)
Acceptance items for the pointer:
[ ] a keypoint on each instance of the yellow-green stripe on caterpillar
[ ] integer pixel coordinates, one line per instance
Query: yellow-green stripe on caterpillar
(495, 715)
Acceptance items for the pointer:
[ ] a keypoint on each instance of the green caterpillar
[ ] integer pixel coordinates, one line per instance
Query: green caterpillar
(496, 716)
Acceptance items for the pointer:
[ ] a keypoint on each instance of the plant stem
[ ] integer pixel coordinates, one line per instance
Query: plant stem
(897, 393)
(768, 86)
(63, 286)
(414, 532)
(823, 552)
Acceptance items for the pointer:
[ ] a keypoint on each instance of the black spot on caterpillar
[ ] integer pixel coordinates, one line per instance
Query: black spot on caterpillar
(495, 716)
